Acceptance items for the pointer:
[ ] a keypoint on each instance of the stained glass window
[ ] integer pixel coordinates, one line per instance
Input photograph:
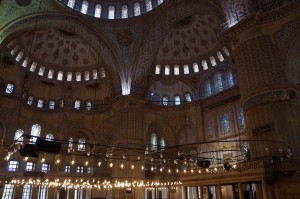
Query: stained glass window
(41, 71)
(88, 105)
(81, 144)
(225, 123)
(19, 57)
(13, 165)
(43, 192)
(9, 88)
(95, 74)
(61, 103)
(159, 2)
(102, 72)
(45, 167)
(84, 7)
(241, 119)
(165, 100)
(78, 76)
(124, 12)
(71, 143)
(188, 97)
(50, 73)
(177, 99)
(220, 56)
(8, 192)
(18, 136)
(69, 76)
(77, 104)
(26, 193)
(226, 51)
(153, 142)
(49, 137)
(204, 65)
(186, 69)
(207, 89)
(148, 5)
(14, 50)
(167, 70)
(163, 144)
(176, 70)
(218, 82)
(51, 104)
(195, 67)
(33, 66)
(111, 12)
(98, 10)
(30, 100)
(40, 103)
(30, 166)
(137, 9)
(212, 61)
(230, 79)
(35, 132)
(157, 69)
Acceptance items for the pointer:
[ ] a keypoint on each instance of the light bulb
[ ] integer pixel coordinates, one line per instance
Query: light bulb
(169, 170)
(86, 163)
(99, 164)
(57, 161)
(111, 164)
(142, 167)
(122, 166)
(132, 166)
(177, 171)
(72, 162)
(43, 159)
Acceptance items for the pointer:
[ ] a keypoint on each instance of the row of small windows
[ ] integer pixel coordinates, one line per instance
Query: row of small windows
(36, 132)
(69, 76)
(166, 100)
(112, 13)
(186, 68)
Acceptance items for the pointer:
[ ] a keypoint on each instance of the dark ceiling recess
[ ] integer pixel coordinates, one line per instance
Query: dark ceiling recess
(183, 22)
(66, 33)
(94, 86)
(47, 83)
(7, 60)
(23, 2)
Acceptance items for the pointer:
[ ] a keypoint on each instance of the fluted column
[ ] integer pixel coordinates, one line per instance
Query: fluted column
(271, 113)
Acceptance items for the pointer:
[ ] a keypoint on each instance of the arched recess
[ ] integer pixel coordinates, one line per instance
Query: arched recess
(72, 24)
(186, 135)
(156, 33)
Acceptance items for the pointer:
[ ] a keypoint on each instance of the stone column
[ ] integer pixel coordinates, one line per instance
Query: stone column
(241, 192)
(271, 113)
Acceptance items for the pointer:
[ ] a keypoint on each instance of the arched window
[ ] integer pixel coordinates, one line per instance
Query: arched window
(9, 88)
(188, 97)
(84, 7)
(88, 105)
(19, 57)
(25, 62)
(230, 79)
(159, 2)
(14, 50)
(165, 99)
(111, 12)
(195, 67)
(218, 82)
(33, 66)
(167, 70)
(77, 104)
(177, 99)
(102, 72)
(124, 12)
(71, 3)
(61, 103)
(186, 69)
(30, 100)
(207, 89)
(162, 144)
(225, 124)
(35, 131)
(78, 76)
(60, 75)
(226, 51)
(49, 137)
(70, 144)
(157, 69)
(51, 104)
(87, 75)
(148, 5)
(220, 56)
(69, 76)
(98, 10)
(50, 73)
(40, 103)
(153, 142)
(18, 136)
(176, 70)
(95, 74)
(81, 144)
(213, 61)
(241, 119)
(41, 71)
(137, 9)
(204, 65)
